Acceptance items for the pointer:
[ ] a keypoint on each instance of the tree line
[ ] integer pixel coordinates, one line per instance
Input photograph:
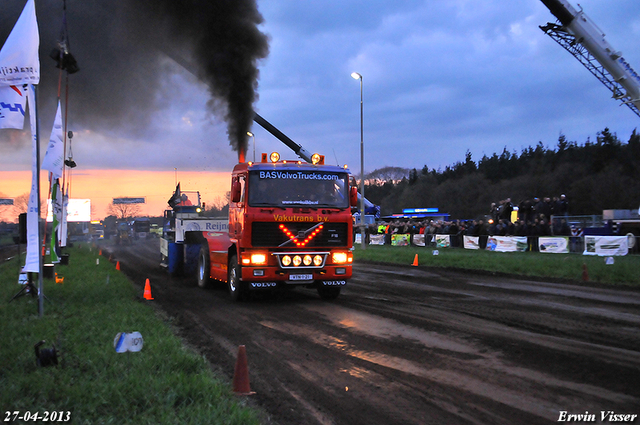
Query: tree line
(596, 175)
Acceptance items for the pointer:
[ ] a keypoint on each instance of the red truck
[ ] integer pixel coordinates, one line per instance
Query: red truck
(290, 225)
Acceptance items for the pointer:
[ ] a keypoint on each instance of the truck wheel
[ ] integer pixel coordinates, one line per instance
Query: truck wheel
(234, 279)
(204, 267)
(328, 292)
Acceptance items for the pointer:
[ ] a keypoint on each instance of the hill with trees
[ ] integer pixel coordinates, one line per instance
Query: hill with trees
(597, 175)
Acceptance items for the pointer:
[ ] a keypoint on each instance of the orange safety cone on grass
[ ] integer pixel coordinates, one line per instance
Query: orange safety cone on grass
(415, 260)
(118, 265)
(147, 291)
(241, 374)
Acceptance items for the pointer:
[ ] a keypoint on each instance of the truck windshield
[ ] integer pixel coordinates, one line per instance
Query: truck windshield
(286, 188)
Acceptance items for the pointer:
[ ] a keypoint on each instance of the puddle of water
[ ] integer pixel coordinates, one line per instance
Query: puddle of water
(379, 327)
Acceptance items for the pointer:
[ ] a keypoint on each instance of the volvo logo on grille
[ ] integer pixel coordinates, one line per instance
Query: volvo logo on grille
(263, 284)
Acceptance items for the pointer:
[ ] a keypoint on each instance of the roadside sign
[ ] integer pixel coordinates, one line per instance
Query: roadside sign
(128, 201)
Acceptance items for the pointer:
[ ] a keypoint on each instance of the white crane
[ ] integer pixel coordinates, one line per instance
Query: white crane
(584, 40)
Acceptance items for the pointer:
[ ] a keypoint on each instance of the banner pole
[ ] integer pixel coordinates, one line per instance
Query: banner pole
(41, 256)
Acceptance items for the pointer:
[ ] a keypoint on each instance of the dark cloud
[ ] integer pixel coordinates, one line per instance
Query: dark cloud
(122, 49)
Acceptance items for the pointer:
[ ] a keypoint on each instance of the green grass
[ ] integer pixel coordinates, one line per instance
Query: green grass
(165, 383)
(624, 271)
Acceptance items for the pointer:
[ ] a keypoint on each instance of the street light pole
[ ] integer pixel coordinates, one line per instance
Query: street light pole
(357, 76)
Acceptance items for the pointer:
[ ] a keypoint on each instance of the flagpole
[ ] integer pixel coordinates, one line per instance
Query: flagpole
(41, 256)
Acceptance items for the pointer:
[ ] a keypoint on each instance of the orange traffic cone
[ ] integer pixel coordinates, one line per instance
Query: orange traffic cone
(147, 291)
(585, 272)
(241, 374)
(415, 260)
(118, 265)
(100, 253)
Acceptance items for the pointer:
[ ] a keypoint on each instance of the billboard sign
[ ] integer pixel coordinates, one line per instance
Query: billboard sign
(117, 201)
(78, 210)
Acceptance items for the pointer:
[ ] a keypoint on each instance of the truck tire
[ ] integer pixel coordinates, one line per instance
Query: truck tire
(204, 267)
(233, 278)
(329, 292)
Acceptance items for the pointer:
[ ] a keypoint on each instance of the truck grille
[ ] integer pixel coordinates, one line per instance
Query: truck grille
(270, 234)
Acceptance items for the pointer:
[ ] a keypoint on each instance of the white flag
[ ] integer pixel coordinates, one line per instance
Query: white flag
(56, 206)
(19, 63)
(12, 106)
(54, 158)
(62, 235)
(32, 260)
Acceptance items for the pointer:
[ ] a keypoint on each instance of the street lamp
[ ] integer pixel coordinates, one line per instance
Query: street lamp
(250, 134)
(357, 76)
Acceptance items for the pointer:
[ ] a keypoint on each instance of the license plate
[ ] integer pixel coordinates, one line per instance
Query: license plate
(300, 276)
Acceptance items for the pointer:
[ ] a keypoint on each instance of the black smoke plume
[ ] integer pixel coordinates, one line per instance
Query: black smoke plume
(122, 50)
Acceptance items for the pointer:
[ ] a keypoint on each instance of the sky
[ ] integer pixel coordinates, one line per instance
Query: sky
(440, 78)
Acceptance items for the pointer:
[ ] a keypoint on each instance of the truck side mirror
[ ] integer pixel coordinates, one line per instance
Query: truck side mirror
(353, 196)
(236, 189)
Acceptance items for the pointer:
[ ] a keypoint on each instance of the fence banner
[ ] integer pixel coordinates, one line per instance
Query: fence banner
(401, 239)
(556, 245)
(357, 239)
(376, 240)
(418, 240)
(443, 241)
(472, 242)
(605, 245)
(507, 243)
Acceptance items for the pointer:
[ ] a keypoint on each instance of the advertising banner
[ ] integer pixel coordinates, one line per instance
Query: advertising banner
(555, 245)
(507, 243)
(605, 245)
(418, 240)
(400, 239)
(443, 241)
(472, 242)
(376, 240)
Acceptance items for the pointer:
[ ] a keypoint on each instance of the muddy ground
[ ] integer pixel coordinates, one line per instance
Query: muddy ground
(414, 345)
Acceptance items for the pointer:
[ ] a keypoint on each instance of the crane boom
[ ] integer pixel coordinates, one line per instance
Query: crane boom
(582, 38)
(299, 150)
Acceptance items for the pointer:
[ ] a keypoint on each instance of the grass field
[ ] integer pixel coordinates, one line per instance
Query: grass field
(624, 270)
(164, 383)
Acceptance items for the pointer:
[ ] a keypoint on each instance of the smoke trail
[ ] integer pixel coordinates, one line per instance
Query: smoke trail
(121, 48)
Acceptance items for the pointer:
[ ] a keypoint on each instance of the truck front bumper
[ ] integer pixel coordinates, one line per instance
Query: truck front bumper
(335, 275)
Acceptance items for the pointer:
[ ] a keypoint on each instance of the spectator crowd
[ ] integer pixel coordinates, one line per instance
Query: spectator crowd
(533, 218)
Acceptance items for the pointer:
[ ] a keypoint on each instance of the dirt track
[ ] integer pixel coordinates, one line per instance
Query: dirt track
(412, 345)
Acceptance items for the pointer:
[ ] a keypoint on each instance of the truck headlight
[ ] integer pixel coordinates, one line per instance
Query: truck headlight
(258, 259)
(340, 257)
